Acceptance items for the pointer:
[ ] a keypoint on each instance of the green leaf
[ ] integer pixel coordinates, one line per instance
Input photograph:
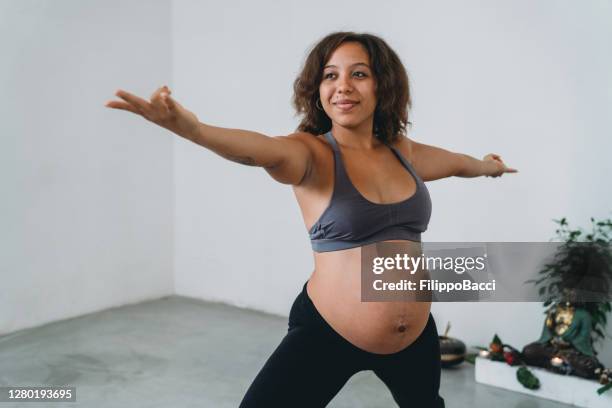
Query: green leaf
(527, 378)
(604, 388)
(471, 358)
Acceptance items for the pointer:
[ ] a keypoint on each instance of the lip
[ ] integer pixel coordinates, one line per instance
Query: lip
(342, 101)
(345, 104)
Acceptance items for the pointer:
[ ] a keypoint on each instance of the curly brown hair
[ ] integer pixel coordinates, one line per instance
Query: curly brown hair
(392, 93)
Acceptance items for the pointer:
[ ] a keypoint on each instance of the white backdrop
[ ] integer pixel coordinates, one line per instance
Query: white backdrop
(103, 209)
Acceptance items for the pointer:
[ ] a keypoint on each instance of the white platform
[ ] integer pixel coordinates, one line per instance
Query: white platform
(562, 388)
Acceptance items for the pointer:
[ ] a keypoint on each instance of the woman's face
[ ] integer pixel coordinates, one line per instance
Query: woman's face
(347, 77)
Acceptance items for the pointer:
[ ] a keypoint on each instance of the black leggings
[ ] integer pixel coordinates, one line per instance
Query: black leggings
(313, 362)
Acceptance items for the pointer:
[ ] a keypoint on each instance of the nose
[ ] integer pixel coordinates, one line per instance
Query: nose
(344, 85)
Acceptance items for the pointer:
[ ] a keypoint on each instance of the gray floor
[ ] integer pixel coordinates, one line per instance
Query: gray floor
(180, 352)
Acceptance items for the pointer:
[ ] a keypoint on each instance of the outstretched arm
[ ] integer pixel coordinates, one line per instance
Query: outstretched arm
(433, 163)
(286, 158)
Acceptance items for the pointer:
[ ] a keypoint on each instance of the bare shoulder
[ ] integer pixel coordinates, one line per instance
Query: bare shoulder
(307, 138)
(302, 144)
(316, 144)
(301, 136)
(406, 147)
(316, 152)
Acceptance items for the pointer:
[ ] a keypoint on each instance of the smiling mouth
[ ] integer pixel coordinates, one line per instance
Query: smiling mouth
(346, 106)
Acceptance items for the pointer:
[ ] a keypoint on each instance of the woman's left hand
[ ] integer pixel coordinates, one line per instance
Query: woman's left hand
(495, 167)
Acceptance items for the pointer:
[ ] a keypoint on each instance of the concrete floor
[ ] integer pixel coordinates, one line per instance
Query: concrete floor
(181, 352)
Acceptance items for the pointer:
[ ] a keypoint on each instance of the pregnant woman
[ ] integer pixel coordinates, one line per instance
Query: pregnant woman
(359, 181)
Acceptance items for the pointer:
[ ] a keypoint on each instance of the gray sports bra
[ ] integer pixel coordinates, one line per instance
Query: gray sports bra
(350, 220)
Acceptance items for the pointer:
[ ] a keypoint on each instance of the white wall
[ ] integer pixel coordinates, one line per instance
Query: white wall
(528, 80)
(87, 192)
(88, 216)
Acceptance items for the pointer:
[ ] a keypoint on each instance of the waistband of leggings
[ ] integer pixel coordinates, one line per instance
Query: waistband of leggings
(315, 313)
(329, 331)
(321, 321)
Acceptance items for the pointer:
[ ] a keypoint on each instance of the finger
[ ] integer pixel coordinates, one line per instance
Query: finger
(493, 157)
(160, 90)
(122, 105)
(164, 100)
(163, 89)
(170, 103)
(136, 101)
(511, 170)
(158, 100)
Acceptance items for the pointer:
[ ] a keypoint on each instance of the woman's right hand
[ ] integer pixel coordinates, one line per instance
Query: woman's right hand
(161, 110)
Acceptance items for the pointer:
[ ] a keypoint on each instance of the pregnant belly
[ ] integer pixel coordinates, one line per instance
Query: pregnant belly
(375, 327)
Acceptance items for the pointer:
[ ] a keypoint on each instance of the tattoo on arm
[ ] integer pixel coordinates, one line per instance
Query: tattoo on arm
(246, 160)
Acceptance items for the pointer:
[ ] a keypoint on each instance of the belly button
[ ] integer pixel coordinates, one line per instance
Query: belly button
(401, 328)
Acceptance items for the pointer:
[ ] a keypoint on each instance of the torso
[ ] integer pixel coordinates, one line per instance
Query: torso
(335, 284)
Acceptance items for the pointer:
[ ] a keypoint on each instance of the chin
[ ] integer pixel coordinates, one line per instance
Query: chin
(347, 123)
(353, 126)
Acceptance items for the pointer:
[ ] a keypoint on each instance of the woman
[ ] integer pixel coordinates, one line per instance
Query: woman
(359, 181)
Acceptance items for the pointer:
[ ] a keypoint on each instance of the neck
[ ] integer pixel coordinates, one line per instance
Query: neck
(361, 137)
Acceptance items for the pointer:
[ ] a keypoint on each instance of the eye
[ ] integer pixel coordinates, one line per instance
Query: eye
(358, 74)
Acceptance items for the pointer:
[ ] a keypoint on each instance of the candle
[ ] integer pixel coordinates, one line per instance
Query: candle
(556, 361)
